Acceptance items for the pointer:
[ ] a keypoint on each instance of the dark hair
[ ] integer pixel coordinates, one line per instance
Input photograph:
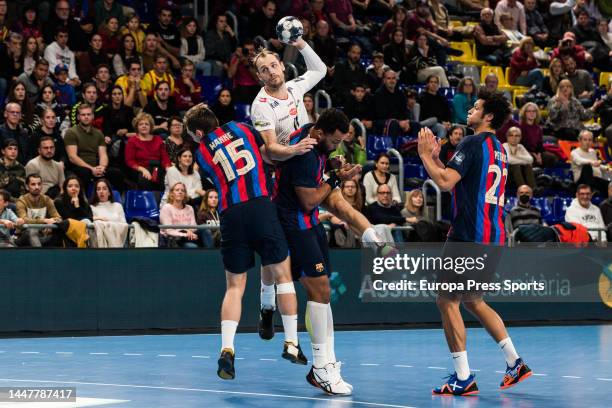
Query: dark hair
(581, 11)
(119, 88)
(88, 85)
(41, 61)
(5, 195)
(121, 51)
(496, 104)
(200, 118)
(380, 156)
(131, 61)
(160, 83)
(45, 139)
(65, 198)
(184, 148)
(174, 119)
(94, 195)
(31, 176)
(43, 89)
(9, 143)
(452, 129)
(583, 187)
(61, 29)
(204, 205)
(331, 120)
(103, 65)
(354, 86)
(429, 77)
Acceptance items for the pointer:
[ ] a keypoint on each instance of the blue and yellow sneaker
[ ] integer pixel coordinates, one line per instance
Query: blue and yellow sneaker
(515, 375)
(454, 386)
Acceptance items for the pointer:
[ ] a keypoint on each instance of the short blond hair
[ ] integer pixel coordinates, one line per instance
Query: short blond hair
(143, 116)
(262, 54)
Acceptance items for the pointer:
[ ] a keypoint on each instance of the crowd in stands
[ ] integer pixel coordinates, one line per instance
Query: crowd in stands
(92, 95)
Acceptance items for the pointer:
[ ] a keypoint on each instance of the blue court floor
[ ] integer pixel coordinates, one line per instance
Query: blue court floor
(572, 368)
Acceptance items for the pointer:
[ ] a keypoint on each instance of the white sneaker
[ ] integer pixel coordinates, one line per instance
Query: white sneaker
(328, 379)
(338, 365)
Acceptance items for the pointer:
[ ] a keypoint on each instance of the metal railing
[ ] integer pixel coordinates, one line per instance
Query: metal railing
(234, 19)
(400, 160)
(360, 125)
(432, 184)
(293, 70)
(318, 95)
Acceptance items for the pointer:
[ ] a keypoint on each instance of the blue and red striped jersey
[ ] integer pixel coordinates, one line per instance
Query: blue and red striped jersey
(299, 171)
(478, 198)
(230, 156)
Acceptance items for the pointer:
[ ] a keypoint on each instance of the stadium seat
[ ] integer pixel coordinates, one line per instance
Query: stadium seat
(140, 204)
(117, 197)
(545, 209)
(456, 23)
(605, 78)
(499, 72)
(415, 171)
(511, 202)
(559, 207)
(448, 93)
(468, 57)
(211, 85)
(377, 144)
(470, 71)
(243, 112)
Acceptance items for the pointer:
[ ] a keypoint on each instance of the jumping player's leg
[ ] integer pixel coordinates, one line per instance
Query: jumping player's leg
(231, 309)
(318, 292)
(267, 294)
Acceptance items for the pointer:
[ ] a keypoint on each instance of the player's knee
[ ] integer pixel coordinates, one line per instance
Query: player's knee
(472, 305)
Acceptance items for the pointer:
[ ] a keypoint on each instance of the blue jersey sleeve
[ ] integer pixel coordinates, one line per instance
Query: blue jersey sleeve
(466, 156)
(304, 170)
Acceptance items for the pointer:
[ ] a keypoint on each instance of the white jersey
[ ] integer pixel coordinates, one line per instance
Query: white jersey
(285, 116)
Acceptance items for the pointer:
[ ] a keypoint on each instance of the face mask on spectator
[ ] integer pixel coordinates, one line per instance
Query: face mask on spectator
(524, 198)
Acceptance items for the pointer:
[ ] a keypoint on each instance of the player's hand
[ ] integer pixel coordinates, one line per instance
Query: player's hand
(304, 146)
(299, 43)
(427, 142)
(435, 154)
(348, 171)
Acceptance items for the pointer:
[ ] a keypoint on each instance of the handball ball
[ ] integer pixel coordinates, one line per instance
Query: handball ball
(289, 29)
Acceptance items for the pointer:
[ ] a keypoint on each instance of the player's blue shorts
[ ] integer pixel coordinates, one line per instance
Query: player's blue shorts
(309, 252)
(249, 228)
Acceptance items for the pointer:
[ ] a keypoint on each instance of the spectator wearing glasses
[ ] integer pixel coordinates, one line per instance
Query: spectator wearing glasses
(175, 141)
(519, 160)
(533, 136)
(12, 129)
(384, 211)
(60, 18)
(583, 212)
(464, 100)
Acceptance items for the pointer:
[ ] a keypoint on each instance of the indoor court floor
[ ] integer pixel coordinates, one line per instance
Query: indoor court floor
(572, 367)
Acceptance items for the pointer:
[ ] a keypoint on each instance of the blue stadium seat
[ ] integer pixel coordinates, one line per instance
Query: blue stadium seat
(243, 112)
(511, 202)
(448, 93)
(117, 197)
(141, 204)
(377, 144)
(559, 206)
(415, 171)
(545, 209)
(211, 85)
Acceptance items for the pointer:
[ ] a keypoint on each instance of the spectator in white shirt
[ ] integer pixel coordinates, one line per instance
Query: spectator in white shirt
(583, 212)
(109, 218)
(586, 165)
(58, 53)
(520, 161)
(182, 171)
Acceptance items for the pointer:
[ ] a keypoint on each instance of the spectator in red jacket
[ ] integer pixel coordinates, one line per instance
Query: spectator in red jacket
(524, 66)
(568, 46)
(146, 156)
(187, 90)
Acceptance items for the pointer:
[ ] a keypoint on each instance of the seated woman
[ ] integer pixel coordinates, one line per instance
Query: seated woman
(182, 171)
(520, 170)
(108, 216)
(343, 235)
(117, 126)
(550, 83)
(533, 136)
(208, 214)
(524, 66)
(380, 175)
(396, 55)
(464, 100)
(72, 206)
(145, 155)
(177, 212)
(175, 141)
(224, 107)
(423, 62)
(587, 166)
(566, 113)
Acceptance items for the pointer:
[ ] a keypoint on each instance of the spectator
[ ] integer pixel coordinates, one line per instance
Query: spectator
(359, 106)
(89, 95)
(166, 31)
(127, 52)
(71, 203)
(208, 215)
(11, 129)
(524, 65)
(515, 10)
(29, 26)
(34, 207)
(605, 32)
(583, 212)
(178, 212)
(523, 213)
(375, 71)
(31, 54)
(536, 28)
(80, 40)
(145, 155)
(520, 170)
(187, 90)
(111, 37)
(134, 28)
(161, 107)
(47, 101)
(424, 229)
(310, 108)
(508, 28)
(325, 46)
(464, 100)
(348, 73)
(581, 80)
(455, 136)
(414, 206)
(425, 65)
(108, 216)
(396, 55)
(50, 171)
(17, 93)
(4, 29)
(341, 17)
(48, 128)
(182, 171)
(8, 221)
(343, 235)
(243, 73)
(390, 103)
(566, 113)
(490, 41)
(192, 46)
(117, 126)
(262, 24)
(60, 18)
(224, 108)
(399, 19)
(587, 166)
(318, 12)
(441, 18)
(551, 82)
(12, 173)
(588, 36)
(435, 106)
(104, 9)
(219, 43)
(421, 23)
(130, 84)
(352, 150)
(533, 136)
(58, 53)
(491, 84)
(35, 81)
(64, 91)
(384, 211)
(12, 55)
(86, 149)
(568, 47)
(606, 211)
(379, 176)
(175, 142)
(605, 114)
(160, 72)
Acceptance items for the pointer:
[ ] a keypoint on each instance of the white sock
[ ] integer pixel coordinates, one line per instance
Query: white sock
(371, 237)
(290, 323)
(509, 351)
(462, 368)
(317, 316)
(268, 296)
(228, 332)
(331, 352)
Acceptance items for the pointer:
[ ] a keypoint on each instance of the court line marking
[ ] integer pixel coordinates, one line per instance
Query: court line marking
(166, 355)
(540, 374)
(402, 365)
(570, 376)
(30, 352)
(64, 352)
(500, 372)
(239, 358)
(132, 354)
(369, 364)
(200, 356)
(99, 354)
(437, 368)
(268, 359)
(203, 390)
(604, 379)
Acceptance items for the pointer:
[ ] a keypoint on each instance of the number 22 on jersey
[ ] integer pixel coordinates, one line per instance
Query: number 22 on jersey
(230, 164)
(490, 195)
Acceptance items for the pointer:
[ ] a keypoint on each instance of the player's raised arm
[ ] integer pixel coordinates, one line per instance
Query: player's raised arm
(278, 152)
(315, 67)
(445, 178)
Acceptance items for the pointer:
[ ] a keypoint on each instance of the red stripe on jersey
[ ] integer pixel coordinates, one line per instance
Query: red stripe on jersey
(501, 195)
(486, 235)
(261, 174)
(218, 172)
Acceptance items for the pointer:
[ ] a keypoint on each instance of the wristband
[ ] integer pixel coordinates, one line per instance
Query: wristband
(333, 180)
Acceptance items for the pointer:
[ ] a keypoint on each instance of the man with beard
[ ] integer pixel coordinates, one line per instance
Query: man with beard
(161, 107)
(36, 208)
(51, 172)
